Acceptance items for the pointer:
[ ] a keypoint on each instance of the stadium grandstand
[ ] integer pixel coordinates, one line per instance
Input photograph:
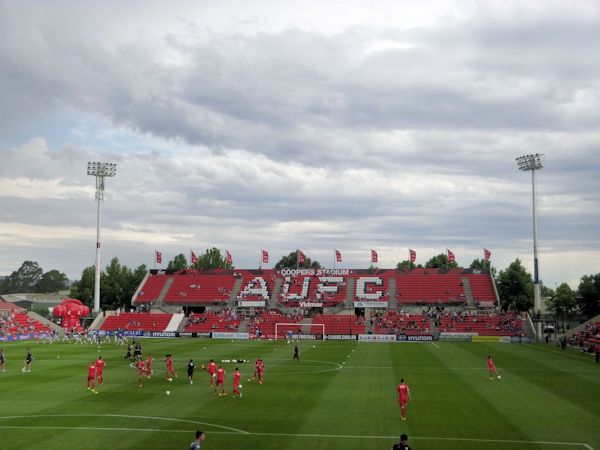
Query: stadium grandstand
(269, 304)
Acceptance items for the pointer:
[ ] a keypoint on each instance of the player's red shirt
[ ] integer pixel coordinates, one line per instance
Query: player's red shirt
(149, 363)
(490, 363)
(212, 368)
(140, 366)
(236, 378)
(402, 392)
(220, 375)
(92, 371)
(260, 365)
(169, 362)
(100, 366)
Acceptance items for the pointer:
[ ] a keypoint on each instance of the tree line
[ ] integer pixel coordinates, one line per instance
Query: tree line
(118, 283)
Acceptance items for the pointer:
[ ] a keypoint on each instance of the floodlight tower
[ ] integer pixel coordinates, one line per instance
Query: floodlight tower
(533, 163)
(100, 171)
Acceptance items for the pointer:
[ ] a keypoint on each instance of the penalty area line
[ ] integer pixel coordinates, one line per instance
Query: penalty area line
(305, 435)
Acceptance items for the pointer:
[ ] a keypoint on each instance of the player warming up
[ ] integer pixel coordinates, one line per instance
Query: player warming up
(91, 378)
(2, 369)
(170, 370)
(492, 368)
(149, 366)
(141, 369)
(100, 370)
(236, 383)
(212, 370)
(403, 397)
(220, 381)
(259, 368)
(28, 359)
(190, 371)
(296, 354)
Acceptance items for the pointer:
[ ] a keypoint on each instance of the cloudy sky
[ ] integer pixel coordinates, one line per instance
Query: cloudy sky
(283, 125)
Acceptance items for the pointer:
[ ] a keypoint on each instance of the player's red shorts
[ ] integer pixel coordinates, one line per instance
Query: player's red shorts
(91, 378)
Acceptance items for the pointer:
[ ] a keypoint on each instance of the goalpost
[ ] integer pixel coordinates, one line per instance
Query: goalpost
(300, 331)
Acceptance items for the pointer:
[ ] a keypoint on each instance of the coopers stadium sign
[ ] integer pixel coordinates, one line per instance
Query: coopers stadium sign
(313, 272)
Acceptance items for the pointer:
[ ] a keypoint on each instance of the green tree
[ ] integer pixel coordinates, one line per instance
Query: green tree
(24, 279)
(515, 288)
(440, 262)
(407, 265)
(562, 302)
(83, 289)
(113, 285)
(51, 281)
(588, 296)
(289, 262)
(178, 263)
(212, 259)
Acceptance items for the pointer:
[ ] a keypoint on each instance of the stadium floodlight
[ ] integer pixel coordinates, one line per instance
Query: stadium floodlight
(532, 163)
(99, 170)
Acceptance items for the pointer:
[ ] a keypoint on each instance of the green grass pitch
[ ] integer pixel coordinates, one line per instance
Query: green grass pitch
(341, 395)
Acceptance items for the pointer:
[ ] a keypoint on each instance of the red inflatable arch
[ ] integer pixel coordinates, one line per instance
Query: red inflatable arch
(71, 310)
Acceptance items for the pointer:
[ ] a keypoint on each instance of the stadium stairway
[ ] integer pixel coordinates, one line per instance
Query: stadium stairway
(175, 321)
(392, 300)
(468, 291)
(163, 293)
(273, 303)
(243, 327)
(46, 322)
(234, 293)
(349, 303)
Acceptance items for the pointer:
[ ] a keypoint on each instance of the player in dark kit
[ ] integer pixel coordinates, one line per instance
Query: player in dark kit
(28, 359)
(190, 370)
(296, 353)
(2, 360)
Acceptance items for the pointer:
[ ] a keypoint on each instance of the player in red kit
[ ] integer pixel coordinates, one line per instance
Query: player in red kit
(170, 370)
(236, 383)
(492, 368)
(149, 366)
(212, 370)
(220, 381)
(259, 368)
(91, 378)
(141, 369)
(403, 397)
(100, 370)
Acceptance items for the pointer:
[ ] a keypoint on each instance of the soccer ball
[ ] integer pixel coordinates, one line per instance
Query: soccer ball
(240, 386)
(168, 392)
(499, 377)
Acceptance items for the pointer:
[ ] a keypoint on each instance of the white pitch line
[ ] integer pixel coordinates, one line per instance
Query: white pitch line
(435, 345)
(306, 435)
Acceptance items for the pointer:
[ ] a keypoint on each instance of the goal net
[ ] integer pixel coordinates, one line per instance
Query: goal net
(299, 331)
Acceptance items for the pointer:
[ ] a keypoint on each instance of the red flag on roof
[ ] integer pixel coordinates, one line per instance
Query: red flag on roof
(193, 257)
(229, 257)
(300, 257)
(158, 256)
(265, 257)
(450, 256)
(338, 256)
(413, 255)
(486, 254)
(374, 257)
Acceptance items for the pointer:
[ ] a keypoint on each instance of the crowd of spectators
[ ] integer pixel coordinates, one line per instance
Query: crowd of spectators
(587, 338)
(9, 325)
